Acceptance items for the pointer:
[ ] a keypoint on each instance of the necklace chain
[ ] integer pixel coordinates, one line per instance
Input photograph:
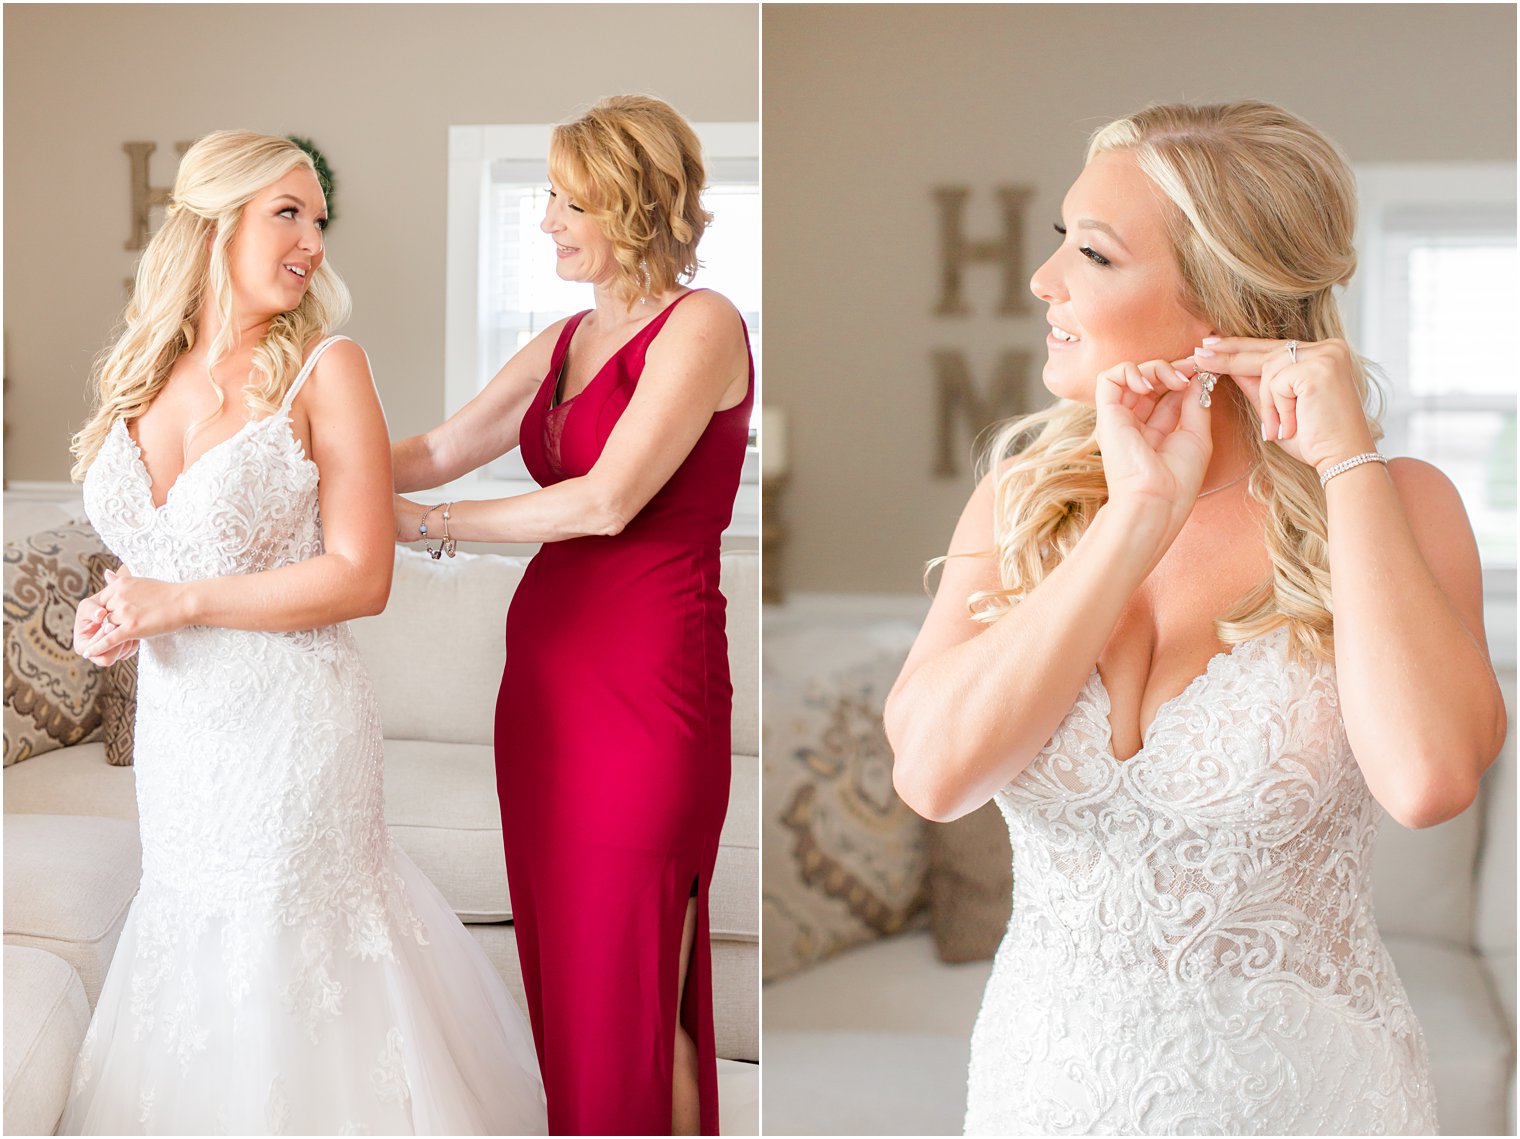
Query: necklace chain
(1228, 485)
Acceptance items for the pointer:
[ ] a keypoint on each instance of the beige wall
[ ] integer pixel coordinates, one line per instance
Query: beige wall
(376, 86)
(867, 108)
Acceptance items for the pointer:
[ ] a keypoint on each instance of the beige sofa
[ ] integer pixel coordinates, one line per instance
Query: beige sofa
(436, 656)
(866, 1032)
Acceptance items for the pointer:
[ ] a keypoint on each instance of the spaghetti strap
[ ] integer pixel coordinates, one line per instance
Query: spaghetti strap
(311, 362)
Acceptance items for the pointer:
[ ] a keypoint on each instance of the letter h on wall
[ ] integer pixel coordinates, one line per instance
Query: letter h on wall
(957, 250)
(145, 195)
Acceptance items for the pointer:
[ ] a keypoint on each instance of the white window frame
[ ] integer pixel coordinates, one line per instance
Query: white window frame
(472, 150)
(1388, 188)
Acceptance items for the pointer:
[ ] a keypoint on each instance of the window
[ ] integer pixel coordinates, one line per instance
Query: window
(1437, 246)
(1437, 278)
(502, 287)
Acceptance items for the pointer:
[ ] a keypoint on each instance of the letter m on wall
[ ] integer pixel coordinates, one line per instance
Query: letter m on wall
(961, 404)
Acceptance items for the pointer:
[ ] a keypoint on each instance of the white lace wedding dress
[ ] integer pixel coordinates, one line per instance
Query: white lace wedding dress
(1192, 948)
(284, 967)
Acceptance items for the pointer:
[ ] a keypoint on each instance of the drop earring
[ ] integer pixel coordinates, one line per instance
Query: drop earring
(644, 269)
(1207, 380)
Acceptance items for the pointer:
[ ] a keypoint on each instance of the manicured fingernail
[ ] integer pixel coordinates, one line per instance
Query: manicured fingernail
(1211, 339)
(1280, 432)
(1266, 434)
(1202, 351)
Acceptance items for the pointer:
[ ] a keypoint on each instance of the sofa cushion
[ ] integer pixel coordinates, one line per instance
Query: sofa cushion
(440, 801)
(843, 855)
(46, 1015)
(1423, 883)
(49, 689)
(864, 1083)
(1469, 1044)
(72, 781)
(69, 881)
(436, 653)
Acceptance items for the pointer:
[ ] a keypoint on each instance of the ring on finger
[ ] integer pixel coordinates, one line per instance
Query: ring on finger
(1291, 348)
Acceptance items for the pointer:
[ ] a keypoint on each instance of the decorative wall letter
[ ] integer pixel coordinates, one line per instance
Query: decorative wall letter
(957, 250)
(960, 402)
(144, 195)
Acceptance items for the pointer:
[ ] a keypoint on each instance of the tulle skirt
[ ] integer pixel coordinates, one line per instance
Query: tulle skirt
(388, 1021)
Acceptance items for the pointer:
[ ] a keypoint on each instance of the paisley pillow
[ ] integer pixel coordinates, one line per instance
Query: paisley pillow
(843, 857)
(118, 690)
(49, 690)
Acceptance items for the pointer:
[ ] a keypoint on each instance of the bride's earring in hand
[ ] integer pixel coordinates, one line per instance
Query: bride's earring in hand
(1207, 380)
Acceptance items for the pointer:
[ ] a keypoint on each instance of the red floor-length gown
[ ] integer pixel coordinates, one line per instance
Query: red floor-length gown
(612, 762)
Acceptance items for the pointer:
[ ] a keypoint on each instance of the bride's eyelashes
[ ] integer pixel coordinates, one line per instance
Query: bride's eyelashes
(1086, 250)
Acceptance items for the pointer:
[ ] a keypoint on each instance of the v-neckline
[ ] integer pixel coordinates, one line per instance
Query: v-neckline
(147, 477)
(1147, 733)
(564, 358)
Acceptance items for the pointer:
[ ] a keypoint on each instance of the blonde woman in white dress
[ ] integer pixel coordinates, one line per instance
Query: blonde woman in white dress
(284, 967)
(1132, 650)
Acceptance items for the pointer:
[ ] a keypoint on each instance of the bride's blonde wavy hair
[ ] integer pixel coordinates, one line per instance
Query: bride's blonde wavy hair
(1265, 212)
(184, 267)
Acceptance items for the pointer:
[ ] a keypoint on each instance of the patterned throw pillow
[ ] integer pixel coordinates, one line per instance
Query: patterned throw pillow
(970, 884)
(843, 856)
(118, 689)
(49, 690)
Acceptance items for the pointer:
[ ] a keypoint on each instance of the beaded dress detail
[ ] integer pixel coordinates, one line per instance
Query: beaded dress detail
(284, 968)
(1192, 948)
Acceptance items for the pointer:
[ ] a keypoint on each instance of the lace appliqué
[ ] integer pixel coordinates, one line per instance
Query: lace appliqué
(1192, 948)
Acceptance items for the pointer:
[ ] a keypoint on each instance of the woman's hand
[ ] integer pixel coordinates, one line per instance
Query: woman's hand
(1310, 406)
(1153, 432)
(408, 514)
(88, 619)
(109, 624)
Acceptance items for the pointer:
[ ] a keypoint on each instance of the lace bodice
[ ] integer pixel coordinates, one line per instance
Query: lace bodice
(246, 505)
(1192, 944)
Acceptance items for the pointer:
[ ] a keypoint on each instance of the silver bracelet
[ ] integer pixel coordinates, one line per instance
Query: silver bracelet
(422, 530)
(1345, 465)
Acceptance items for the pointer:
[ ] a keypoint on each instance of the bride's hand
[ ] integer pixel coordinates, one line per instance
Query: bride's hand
(88, 618)
(1309, 405)
(129, 609)
(1153, 432)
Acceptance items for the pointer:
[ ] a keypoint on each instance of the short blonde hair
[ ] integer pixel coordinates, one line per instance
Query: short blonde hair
(185, 267)
(635, 166)
(1261, 215)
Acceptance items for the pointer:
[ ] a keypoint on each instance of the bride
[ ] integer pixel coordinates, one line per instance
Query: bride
(284, 967)
(1132, 651)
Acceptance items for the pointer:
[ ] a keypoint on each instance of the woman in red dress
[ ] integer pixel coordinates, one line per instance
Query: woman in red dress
(612, 742)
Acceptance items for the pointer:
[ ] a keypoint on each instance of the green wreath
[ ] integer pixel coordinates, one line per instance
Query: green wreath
(324, 171)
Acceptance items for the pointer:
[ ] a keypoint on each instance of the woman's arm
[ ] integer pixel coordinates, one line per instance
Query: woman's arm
(695, 367)
(974, 703)
(1421, 704)
(483, 429)
(349, 445)
(1423, 710)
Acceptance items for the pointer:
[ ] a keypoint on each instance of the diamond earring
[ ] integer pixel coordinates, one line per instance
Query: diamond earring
(1207, 380)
